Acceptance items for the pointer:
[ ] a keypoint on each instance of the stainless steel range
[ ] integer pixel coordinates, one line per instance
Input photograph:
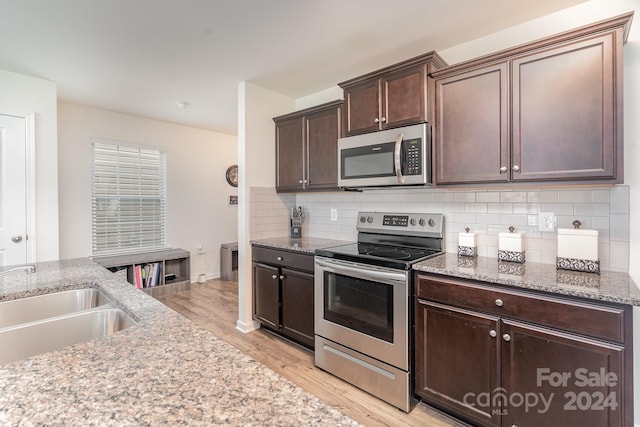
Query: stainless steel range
(363, 309)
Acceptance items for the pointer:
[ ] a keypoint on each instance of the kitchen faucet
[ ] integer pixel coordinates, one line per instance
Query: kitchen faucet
(29, 267)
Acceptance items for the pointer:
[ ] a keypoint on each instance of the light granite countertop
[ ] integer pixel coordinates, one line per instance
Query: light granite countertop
(304, 244)
(607, 286)
(165, 370)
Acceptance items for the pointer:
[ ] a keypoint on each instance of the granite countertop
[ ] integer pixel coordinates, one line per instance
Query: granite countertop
(607, 286)
(304, 244)
(165, 370)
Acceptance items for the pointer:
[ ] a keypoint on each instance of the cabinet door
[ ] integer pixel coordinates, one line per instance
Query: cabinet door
(266, 294)
(289, 155)
(297, 306)
(564, 112)
(362, 107)
(472, 127)
(580, 379)
(404, 97)
(322, 132)
(457, 359)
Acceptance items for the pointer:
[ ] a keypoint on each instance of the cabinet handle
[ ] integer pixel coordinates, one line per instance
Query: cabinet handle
(383, 119)
(300, 182)
(499, 302)
(515, 168)
(506, 337)
(376, 120)
(281, 277)
(503, 169)
(279, 258)
(274, 277)
(493, 333)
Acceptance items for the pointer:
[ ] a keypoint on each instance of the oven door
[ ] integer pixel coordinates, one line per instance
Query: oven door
(363, 307)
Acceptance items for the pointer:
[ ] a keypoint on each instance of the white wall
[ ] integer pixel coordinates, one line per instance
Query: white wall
(256, 165)
(29, 95)
(197, 210)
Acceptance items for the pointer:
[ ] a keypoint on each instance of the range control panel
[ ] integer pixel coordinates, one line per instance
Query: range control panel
(416, 224)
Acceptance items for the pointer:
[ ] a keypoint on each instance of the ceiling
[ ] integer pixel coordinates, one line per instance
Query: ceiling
(142, 57)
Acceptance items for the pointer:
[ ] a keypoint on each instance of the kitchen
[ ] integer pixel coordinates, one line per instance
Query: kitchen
(256, 173)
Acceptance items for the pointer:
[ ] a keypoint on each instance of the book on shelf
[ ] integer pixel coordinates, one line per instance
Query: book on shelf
(138, 276)
(152, 274)
(147, 275)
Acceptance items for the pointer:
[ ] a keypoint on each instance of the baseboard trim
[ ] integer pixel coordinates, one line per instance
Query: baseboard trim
(246, 327)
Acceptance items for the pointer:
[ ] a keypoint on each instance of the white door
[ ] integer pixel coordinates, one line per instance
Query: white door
(13, 190)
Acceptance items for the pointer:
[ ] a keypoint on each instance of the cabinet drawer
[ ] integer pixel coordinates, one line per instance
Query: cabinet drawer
(596, 320)
(283, 258)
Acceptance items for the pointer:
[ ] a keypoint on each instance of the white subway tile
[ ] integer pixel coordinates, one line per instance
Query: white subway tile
(619, 255)
(488, 197)
(476, 207)
(600, 222)
(526, 208)
(513, 196)
(601, 196)
(619, 230)
(464, 197)
(620, 199)
(575, 196)
(557, 208)
(500, 208)
(542, 196)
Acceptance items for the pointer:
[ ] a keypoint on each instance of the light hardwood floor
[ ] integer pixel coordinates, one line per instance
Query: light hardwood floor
(214, 306)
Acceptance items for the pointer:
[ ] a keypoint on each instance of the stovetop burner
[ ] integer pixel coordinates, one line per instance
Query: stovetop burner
(383, 255)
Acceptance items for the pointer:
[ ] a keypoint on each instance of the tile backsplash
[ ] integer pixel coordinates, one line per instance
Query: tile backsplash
(487, 212)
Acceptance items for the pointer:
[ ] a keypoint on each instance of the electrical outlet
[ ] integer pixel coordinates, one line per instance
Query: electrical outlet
(546, 221)
(334, 214)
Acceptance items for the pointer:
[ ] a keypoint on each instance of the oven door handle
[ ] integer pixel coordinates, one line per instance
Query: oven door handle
(366, 274)
(397, 159)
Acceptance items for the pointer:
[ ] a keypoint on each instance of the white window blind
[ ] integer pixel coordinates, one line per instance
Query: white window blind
(128, 198)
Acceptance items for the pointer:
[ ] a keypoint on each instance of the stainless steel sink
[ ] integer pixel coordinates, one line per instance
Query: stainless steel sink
(21, 341)
(50, 305)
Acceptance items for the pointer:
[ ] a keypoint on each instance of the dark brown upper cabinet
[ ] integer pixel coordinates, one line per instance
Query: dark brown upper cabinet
(307, 148)
(548, 111)
(390, 97)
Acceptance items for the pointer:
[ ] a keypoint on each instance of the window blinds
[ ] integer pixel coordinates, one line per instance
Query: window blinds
(128, 198)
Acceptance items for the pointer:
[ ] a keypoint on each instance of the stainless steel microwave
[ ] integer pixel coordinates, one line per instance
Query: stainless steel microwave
(392, 157)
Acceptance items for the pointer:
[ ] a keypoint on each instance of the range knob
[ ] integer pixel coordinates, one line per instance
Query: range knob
(363, 219)
(413, 221)
(369, 219)
(422, 222)
(432, 222)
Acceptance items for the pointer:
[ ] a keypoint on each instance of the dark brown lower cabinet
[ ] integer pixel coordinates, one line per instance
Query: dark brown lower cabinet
(478, 361)
(283, 296)
(297, 305)
(266, 294)
(560, 379)
(456, 360)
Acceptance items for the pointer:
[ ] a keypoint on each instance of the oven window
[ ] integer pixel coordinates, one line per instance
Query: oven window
(358, 304)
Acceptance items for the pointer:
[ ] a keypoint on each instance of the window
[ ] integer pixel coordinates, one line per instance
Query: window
(128, 198)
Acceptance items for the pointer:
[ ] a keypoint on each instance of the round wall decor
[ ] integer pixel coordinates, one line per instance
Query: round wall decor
(232, 175)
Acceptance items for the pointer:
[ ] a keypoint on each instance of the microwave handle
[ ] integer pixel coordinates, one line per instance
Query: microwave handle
(396, 158)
